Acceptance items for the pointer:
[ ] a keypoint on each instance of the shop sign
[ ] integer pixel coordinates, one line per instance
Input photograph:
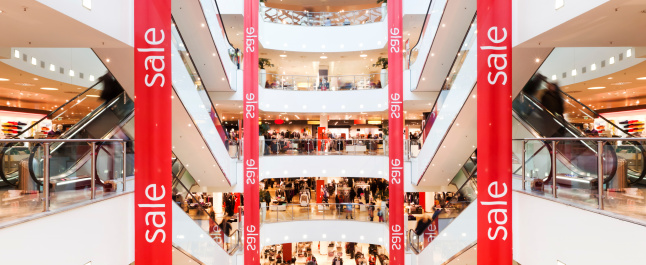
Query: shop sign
(395, 128)
(251, 229)
(494, 132)
(153, 204)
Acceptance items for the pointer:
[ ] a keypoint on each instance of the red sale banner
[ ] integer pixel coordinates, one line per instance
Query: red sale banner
(431, 232)
(251, 242)
(153, 216)
(494, 132)
(395, 128)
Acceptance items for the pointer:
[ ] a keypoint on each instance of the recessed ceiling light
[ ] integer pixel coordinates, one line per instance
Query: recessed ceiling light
(283, 55)
(621, 83)
(363, 55)
(4, 79)
(323, 57)
(597, 87)
(641, 78)
(49, 88)
(92, 96)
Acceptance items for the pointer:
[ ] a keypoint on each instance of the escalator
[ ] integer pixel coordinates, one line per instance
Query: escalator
(70, 162)
(465, 183)
(576, 160)
(190, 203)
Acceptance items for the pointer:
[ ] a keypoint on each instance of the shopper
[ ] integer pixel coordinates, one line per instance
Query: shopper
(328, 22)
(422, 224)
(372, 260)
(552, 99)
(371, 212)
(380, 214)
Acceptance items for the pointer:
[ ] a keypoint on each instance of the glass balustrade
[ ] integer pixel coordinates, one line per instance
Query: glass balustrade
(78, 171)
(321, 82)
(602, 173)
(283, 212)
(277, 147)
(306, 18)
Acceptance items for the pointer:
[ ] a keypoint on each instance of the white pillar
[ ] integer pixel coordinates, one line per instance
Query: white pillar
(217, 203)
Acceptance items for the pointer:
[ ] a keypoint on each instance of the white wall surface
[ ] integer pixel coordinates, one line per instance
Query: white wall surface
(547, 231)
(112, 17)
(274, 36)
(102, 232)
(532, 17)
(231, 7)
(369, 100)
(328, 230)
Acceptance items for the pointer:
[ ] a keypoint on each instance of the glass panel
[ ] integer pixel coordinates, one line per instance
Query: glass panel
(275, 147)
(70, 176)
(305, 18)
(320, 83)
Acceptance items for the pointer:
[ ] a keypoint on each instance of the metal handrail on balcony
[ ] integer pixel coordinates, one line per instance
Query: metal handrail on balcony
(306, 18)
(46, 162)
(321, 82)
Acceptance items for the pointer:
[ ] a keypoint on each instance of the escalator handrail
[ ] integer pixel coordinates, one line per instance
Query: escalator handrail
(566, 123)
(198, 205)
(413, 245)
(51, 114)
(32, 174)
(84, 121)
(228, 138)
(423, 30)
(628, 135)
(235, 247)
(595, 113)
(443, 87)
(558, 118)
(81, 161)
(5, 148)
(224, 28)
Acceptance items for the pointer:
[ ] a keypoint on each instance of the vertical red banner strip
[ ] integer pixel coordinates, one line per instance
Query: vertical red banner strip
(494, 132)
(395, 128)
(153, 212)
(251, 145)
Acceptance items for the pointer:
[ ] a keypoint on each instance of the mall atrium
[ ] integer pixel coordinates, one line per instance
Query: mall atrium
(326, 132)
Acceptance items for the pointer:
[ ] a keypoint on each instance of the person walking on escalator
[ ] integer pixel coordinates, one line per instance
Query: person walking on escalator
(111, 88)
(554, 103)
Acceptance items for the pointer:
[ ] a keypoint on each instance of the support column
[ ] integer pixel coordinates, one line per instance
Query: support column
(152, 81)
(395, 128)
(494, 132)
(251, 246)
